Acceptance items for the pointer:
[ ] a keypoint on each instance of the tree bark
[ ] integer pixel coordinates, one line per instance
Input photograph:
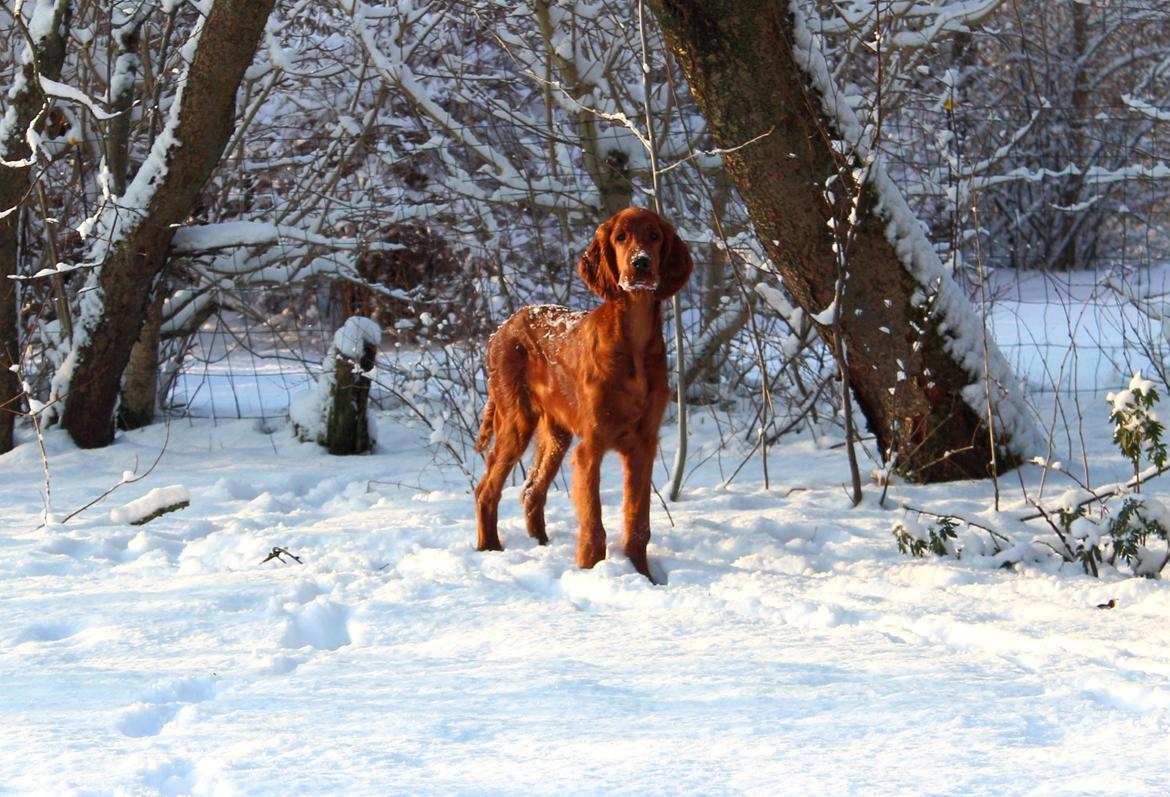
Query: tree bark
(27, 106)
(131, 266)
(140, 382)
(740, 59)
(10, 389)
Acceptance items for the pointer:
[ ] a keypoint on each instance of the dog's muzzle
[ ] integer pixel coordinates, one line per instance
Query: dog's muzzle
(642, 279)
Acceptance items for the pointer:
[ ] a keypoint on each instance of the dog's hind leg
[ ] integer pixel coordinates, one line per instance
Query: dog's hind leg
(509, 447)
(551, 444)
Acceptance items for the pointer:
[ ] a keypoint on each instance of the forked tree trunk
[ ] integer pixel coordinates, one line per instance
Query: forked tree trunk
(206, 115)
(915, 369)
(23, 109)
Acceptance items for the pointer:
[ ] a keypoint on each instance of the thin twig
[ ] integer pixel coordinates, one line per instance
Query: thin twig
(111, 490)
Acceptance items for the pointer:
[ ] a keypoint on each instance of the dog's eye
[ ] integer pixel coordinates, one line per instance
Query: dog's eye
(654, 235)
(621, 236)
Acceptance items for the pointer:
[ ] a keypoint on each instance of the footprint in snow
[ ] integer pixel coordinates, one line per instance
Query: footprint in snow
(48, 632)
(146, 719)
(162, 704)
(321, 623)
(172, 776)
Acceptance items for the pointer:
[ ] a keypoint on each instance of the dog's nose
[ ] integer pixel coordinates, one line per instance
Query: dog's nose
(640, 261)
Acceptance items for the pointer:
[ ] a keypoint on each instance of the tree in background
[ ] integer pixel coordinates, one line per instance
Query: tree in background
(130, 234)
(1079, 187)
(42, 51)
(1033, 141)
(850, 251)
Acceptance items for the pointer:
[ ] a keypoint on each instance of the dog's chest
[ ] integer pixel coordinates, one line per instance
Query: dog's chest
(636, 374)
(637, 378)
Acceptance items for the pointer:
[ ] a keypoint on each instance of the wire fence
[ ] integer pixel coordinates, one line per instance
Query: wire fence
(1086, 327)
(1060, 333)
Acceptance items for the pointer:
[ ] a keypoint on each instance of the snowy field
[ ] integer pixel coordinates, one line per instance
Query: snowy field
(791, 650)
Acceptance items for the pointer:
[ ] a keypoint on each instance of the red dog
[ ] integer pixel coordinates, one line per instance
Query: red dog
(600, 376)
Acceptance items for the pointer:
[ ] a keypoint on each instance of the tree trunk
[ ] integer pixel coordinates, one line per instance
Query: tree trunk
(10, 389)
(140, 385)
(26, 109)
(1072, 244)
(132, 263)
(347, 429)
(915, 365)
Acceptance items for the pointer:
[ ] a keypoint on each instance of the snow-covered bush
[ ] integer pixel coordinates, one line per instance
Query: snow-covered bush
(1111, 526)
(915, 538)
(1093, 539)
(1137, 430)
(1141, 518)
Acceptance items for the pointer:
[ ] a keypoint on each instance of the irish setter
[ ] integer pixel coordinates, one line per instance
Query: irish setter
(599, 376)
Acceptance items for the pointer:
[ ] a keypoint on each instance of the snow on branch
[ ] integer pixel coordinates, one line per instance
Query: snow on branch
(231, 234)
(1097, 175)
(391, 62)
(456, 105)
(53, 88)
(37, 31)
(117, 217)
(158, 501)
(1145, 109)
(921, 24)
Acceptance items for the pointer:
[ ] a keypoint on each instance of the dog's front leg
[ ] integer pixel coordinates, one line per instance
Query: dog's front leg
(586, 497)
(638, 467)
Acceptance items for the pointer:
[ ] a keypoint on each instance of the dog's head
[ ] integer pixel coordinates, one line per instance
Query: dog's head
(635, 250)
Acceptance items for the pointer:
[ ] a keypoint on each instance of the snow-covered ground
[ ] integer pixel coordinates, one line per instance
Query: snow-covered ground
(791, 650)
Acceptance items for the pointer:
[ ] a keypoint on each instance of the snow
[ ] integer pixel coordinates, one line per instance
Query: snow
(279, 57)
(307, 410)
(828, 316)
(1125, 401)
(355, 334)
(791, 649)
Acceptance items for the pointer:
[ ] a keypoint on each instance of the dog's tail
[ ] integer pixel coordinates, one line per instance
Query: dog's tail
(487, 429)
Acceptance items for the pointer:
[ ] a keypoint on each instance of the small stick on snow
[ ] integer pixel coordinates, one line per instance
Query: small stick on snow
(277, 552)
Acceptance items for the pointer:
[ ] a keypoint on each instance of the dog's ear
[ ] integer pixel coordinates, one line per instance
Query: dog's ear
(676, 263)
(598, 265)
